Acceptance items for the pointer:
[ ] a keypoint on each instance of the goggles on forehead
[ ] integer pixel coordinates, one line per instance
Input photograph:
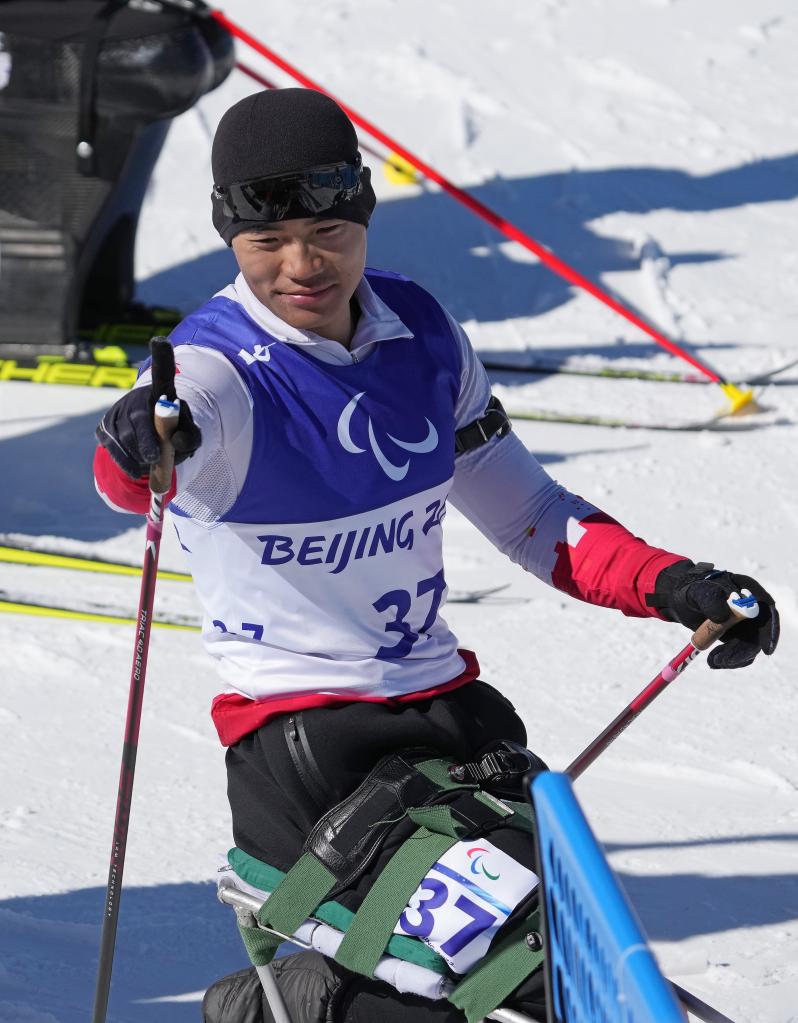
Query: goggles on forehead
(316, 190)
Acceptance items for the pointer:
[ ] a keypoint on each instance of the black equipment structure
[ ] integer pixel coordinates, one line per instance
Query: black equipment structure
(87, 92)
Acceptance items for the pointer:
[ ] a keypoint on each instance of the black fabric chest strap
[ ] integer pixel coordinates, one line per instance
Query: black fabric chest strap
(495, 421)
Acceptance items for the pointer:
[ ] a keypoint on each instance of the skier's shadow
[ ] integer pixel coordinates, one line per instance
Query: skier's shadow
(678, 906)
(173, 942)
(480, 276)
(48, 484)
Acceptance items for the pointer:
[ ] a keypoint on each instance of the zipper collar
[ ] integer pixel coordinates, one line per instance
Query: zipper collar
(377, 322)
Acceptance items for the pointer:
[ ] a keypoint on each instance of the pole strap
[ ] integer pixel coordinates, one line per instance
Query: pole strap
(500, 972)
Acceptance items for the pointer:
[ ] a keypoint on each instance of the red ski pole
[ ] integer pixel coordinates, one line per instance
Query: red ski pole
(742, 606)
(166, 412)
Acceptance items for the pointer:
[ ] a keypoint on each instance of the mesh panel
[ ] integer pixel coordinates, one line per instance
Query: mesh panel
(47, 208)
(213, 491)
(38, 175)
(42, 71)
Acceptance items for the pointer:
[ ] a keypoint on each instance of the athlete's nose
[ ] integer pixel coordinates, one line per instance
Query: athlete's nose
(302, 263)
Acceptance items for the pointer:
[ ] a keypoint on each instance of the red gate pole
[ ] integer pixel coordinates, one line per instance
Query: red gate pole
(738, 397)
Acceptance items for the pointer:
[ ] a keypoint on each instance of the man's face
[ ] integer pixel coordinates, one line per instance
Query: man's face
(305, 271)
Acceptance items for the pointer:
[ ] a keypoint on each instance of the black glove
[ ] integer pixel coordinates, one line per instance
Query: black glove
(690, 594)
(127, 431)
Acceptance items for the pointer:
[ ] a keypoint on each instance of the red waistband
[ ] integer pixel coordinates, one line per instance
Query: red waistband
(235, 716)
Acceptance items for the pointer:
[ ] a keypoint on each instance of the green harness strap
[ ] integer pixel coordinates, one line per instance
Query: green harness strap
(499, 973)
(437, 771)
(260, 945)
(309, 882)
(373, 924)
(306, 884)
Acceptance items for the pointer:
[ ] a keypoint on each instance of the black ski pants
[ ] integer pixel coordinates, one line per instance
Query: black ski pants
(283, 777)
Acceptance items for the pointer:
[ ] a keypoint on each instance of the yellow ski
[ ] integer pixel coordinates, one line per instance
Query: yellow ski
(51, 559)
(43, 611)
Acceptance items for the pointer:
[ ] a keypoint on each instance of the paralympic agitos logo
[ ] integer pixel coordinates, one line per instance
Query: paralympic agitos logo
(391, 469)
(475, 855)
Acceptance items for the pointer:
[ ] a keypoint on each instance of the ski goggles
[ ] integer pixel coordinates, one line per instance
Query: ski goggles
(316, 191)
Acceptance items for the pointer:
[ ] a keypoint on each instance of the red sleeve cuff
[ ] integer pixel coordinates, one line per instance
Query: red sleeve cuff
(120, 490)
(610, 567)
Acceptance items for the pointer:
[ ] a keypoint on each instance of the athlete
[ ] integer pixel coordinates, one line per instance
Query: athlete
(328, 415)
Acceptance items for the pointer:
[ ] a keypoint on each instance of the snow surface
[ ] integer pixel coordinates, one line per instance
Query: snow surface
(653, 144)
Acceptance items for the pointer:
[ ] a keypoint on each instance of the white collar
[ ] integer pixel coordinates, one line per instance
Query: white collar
(377, 322)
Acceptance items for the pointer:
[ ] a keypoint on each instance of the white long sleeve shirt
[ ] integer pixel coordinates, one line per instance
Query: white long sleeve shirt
(345, 603)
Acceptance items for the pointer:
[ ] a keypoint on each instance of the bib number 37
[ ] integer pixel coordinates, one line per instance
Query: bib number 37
(464, 900)
(402, 602)
(433, 894)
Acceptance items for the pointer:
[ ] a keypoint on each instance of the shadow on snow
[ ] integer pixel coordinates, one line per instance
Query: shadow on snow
(48, 484)
(49, 488)
(459, 258)
(174, 940)
(465, 263)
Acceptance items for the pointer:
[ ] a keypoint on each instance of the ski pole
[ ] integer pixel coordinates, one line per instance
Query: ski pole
(742, 606)
(693, 1004)
(167, 410)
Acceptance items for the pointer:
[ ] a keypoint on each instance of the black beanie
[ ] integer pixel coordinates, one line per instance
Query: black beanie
(279, 131)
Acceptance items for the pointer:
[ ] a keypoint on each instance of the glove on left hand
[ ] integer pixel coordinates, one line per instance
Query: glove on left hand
(690, 594)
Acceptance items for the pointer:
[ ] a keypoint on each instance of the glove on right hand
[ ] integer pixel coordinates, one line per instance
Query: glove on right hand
(127, 432)
(690, 594)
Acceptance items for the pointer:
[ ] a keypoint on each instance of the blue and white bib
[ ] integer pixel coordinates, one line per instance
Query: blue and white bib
(326, 574)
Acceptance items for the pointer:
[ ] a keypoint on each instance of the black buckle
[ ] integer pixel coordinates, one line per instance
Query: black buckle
(495, 421)
(505, 761)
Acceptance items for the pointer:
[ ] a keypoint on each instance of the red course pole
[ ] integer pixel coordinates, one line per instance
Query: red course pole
(163, 383)
(507, 228)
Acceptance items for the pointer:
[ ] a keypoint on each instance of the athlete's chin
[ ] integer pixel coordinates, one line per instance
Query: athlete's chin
(306, 315)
